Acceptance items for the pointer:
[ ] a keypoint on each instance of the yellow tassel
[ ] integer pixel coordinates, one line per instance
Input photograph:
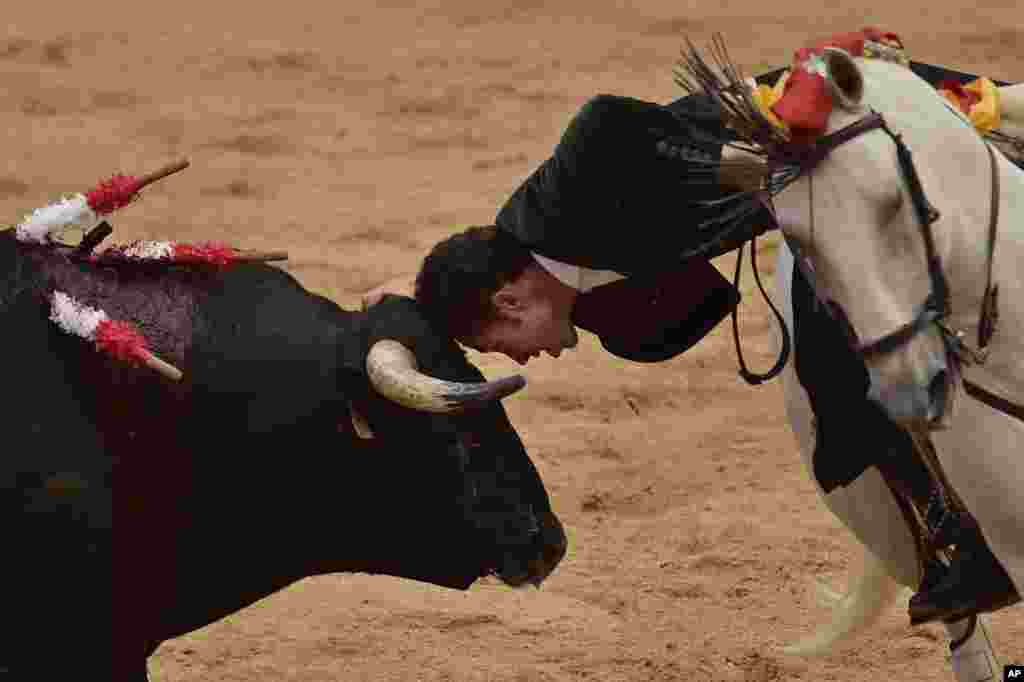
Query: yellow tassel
(766, 96)
(985, 114)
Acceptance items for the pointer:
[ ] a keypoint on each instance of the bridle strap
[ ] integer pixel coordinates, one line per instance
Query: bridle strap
(992, 400)
(809, 155)
(806, 156)
(937, 305)
(989, 312)
(893, 340)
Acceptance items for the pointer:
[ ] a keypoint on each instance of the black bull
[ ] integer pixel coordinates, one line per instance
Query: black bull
(239, 480)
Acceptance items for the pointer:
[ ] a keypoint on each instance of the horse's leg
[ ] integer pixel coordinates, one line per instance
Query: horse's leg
(972, 657)
(981, 455)
(866, 507)
(868, 597)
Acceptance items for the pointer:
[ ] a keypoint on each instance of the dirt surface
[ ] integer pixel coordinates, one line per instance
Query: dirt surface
(355, 134)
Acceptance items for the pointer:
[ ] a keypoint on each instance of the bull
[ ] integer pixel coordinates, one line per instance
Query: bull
(248, 474)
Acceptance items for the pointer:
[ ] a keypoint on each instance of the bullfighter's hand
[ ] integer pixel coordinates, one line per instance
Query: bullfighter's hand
(399, 286)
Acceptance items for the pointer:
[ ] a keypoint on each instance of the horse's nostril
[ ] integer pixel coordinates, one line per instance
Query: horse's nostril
(937, 389)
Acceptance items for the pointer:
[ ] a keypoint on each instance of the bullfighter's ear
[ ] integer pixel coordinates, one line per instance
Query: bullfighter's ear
(507, 301)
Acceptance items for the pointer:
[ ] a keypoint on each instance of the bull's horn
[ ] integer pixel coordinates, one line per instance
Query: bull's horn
(393, 373)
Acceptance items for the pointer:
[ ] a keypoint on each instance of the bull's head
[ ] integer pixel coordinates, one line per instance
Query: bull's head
(430, 402)
(444, 492)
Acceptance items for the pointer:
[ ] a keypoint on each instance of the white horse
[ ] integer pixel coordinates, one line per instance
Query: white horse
(867, 508)
(867, 248)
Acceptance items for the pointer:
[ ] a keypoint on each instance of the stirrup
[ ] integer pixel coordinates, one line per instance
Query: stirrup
(946, 527)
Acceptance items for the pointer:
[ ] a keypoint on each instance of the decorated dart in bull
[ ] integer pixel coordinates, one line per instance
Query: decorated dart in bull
(210, 253)
(87, 210)
(117, 338)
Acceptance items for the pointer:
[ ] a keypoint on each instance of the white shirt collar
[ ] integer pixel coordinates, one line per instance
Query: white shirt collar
(579, 278)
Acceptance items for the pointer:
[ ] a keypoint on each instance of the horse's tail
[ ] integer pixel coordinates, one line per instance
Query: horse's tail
(860, 608)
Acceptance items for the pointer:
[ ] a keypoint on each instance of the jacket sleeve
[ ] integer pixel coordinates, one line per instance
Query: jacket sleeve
(651, 318)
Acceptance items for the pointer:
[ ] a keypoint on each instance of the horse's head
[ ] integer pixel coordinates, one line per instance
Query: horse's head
(875, 252)
(865, 229)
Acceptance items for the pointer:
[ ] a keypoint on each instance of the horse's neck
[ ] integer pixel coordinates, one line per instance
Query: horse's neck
(1004, 371)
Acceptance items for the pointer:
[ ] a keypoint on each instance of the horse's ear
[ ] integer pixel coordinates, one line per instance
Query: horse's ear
(844, 79)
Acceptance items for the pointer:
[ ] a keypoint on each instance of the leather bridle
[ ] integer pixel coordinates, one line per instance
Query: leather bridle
(936, 307)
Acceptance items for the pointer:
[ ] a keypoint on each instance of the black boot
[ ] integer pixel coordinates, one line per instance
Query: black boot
(974, 582)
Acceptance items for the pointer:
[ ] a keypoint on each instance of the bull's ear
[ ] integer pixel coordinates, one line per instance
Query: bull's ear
(845, 82)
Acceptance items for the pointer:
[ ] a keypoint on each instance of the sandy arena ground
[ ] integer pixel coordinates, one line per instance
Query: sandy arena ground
(355, 134)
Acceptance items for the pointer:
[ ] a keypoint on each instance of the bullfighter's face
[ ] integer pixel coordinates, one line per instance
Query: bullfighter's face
(532, 314)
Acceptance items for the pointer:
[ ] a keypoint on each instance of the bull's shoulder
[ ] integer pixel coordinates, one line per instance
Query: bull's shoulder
(260, 300)
(259, 333)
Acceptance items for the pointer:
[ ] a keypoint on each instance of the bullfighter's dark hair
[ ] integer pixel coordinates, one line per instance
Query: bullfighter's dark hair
(461, 273)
